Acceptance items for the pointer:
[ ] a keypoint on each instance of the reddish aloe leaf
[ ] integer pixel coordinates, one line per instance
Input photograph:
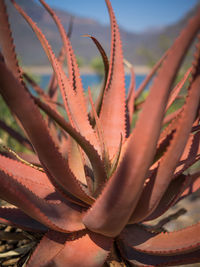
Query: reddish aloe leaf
(76, 99)
(48, 248)
(173, 243)
(98, 103)
(53, 84)
(31, 119)
(16, 135)
(64, 217)
(178, 88)
(130, 98)
(34, 180)
(46, 98)
(16, 217)
(83, 249)
(104, 217)
(72, 100)
(171, 116)
(97, 164)
(99, 130)
(190, 153)
(174, 190)
(167, 134)
(6, 42)
(176, 186)
(150, 76)
(93, 250)
(75, 161)
(103, 55)
(41, 92)
(170, 159)
(137, 258)
(71, 59)
(192, 186)
(112, 116)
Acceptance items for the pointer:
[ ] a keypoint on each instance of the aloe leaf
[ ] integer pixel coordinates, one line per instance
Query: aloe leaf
(64, 217)
(175, 190)
(53, 84)
(48, 248)
(72, 100)
(99, 130)
(79, 100)
(192, 186)
(171, 157)
(98, 103)
(31, 119)
(190, 154)
(172, 243)
(178, 88)
(178, 181)
(103, 55)
(142, 146)
(17, 218)
(150, 76)
(76, 161)
(112, 116)
(93, 250)
(36, 181)
(171, 116)
(41, 92)
(137, 258)
(71, 60)
(115, 160)
(7, 44)
(96, 162)
(130, 98)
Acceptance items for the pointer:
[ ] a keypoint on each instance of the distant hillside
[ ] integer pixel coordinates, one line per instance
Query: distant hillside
(138, 48)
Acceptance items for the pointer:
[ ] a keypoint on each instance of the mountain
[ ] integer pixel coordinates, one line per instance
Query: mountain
(138, 48)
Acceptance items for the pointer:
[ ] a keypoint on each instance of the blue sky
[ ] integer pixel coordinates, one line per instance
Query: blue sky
(132, 15)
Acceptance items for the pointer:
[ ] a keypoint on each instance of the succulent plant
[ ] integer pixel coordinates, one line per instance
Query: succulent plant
(98, 180)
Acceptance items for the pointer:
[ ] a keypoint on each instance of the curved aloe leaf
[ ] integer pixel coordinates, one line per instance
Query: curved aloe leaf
(98, 103)
(142, 147)
(172, 156)
(34, 180)
(17, 218)
(60, 217)
(51, 244)
(93, 250)
(137, 258)
(150, 76)
(130, 98)
(173, 243)
(6, 42)
(31, 119)
(96, 162)
(73, 105)
(79, 102)
(178, 88)
(112, 116)
(176, 189)
(192, 186)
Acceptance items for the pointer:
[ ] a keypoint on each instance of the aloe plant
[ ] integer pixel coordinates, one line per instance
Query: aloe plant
(98, 181)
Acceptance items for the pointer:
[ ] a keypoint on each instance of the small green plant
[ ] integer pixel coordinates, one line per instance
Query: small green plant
(97, 181)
